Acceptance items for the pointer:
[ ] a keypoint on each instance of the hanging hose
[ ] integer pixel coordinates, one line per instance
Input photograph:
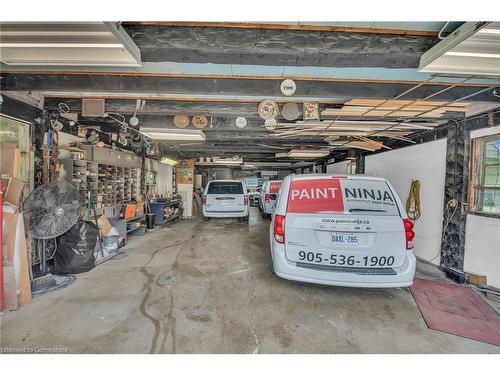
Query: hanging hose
(413, 201)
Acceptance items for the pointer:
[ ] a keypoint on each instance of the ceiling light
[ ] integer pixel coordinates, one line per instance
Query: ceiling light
(67, 44)
(223, 161)
(173, 134)
(471, 50)
(168, 161)
(305, 154)
(474, 54)
(227, 161)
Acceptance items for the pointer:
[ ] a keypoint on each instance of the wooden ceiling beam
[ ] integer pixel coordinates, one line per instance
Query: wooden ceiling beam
(202, 89)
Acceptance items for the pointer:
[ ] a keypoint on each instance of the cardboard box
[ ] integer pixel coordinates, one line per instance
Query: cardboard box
(477, 279)
(14, 191)
(9, 160)
(104, 225)
(140, 207)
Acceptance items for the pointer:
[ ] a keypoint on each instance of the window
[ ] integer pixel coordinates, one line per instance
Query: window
(225, 188)
(17, 133)
(351, 167)
(485, 175)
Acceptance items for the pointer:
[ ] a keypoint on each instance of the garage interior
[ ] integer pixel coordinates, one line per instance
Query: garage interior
(139, 116)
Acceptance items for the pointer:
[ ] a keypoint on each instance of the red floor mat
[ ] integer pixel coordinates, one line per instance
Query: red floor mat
(457, 310)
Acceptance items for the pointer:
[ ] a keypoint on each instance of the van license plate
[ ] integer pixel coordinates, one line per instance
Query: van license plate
(345, 238)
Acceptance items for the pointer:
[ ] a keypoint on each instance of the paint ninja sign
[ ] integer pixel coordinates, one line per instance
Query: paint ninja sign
(315, 196)
(340, 195)
(274, 187)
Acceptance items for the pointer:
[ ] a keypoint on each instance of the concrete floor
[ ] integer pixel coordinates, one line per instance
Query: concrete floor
(206, 287)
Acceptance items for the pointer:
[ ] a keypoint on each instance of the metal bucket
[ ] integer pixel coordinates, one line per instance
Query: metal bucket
(110, 242)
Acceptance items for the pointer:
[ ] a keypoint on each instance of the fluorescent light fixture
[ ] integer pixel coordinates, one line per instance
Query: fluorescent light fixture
(474, 54)
(160, 134)
(227, 161)
(281, 154)
(67, 44)
(303, 154)
(269, 164)
(168, 161)
(218, 161)
(471, 50)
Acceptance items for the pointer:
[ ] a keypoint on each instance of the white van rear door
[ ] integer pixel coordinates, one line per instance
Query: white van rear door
(344, 222)
(274, 187)
(225, 196)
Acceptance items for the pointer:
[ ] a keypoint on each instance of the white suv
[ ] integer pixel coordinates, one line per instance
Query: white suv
(268, 196)
(225, 199)
(342, 230)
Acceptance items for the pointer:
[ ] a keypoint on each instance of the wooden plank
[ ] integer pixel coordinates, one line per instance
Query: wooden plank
(24, 274)
(454, 109)
(284, 26)
(338, 112)
(9, 287)
(355, 108)
(10, 222)
(365, 102)
(439, 103)
(394, 104)
(404, 114)
(432, 114)
(17, 255)
(377, 113)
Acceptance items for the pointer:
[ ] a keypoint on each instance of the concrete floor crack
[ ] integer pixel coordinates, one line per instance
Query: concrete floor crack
(253, 325)
(148, 288)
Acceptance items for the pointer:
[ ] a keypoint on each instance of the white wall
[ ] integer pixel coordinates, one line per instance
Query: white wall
(482, 247)
(164, 180)
(340, 167)
(427, 163)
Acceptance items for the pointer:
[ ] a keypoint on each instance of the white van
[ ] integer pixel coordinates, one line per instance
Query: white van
(225, 199)
(342, 230)
(267, 199)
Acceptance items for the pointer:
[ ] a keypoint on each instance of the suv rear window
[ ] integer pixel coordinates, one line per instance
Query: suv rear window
(225, 188)
(371, 197)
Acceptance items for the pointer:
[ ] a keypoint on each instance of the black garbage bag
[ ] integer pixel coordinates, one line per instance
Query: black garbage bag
(75, 249)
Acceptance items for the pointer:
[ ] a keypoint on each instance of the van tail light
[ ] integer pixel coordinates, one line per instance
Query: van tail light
(203, 199)
(266, 197)
(409, 233)
(279, 228)
(246, 200)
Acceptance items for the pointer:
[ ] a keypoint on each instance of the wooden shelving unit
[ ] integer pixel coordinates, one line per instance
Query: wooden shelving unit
(108, 185)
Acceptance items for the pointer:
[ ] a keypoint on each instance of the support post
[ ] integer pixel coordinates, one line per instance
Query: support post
(456, 182)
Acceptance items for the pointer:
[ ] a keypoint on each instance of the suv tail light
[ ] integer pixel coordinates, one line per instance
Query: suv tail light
(246, 200)
(279, 228)
(203, 199)
(409, 233)
(266, 197)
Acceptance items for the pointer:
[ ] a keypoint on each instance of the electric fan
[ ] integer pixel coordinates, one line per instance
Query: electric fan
(49, 211)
